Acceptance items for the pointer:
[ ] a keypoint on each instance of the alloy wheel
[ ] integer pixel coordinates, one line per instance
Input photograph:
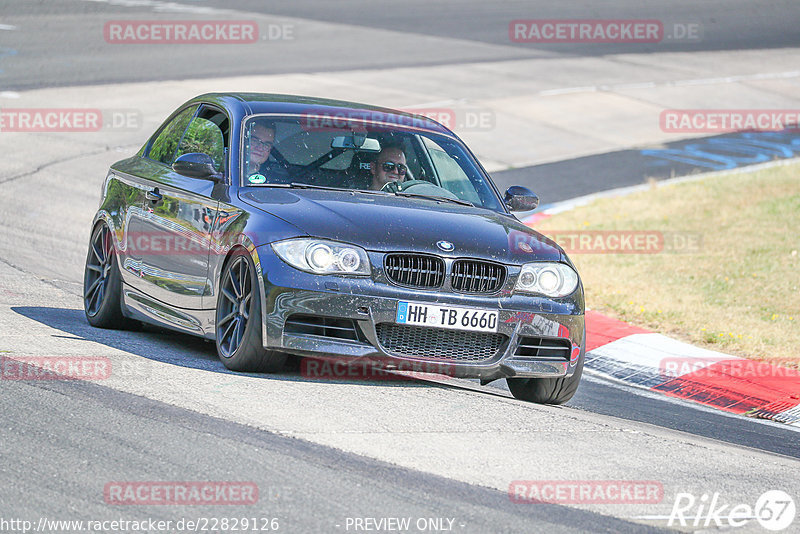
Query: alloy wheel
(234, 306)
(98, 267)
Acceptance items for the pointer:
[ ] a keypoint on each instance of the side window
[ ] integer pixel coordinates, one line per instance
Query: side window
(204, 136)
(451, 175)
(164, 146)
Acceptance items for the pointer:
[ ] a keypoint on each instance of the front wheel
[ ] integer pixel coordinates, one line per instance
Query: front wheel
(548, 390)
(238, 322)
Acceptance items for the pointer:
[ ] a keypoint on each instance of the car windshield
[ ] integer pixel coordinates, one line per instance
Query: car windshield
(361, 155)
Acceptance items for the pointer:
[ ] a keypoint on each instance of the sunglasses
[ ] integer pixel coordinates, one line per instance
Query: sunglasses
(389, 166)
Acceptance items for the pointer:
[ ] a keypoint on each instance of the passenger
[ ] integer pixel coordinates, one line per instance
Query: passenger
(389, 166)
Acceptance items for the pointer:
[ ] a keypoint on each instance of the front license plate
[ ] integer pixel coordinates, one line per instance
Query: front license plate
(472, 319)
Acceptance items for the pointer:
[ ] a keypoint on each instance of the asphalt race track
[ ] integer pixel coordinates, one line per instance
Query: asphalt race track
(396, 35)
(565, 121)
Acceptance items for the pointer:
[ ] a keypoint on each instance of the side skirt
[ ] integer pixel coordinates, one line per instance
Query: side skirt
(137, 305)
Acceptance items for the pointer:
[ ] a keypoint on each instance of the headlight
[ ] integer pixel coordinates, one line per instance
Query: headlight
(546, 278)
(320, 256)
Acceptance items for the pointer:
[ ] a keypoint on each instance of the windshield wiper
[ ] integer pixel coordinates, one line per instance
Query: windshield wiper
(300, 185)
(434, 197)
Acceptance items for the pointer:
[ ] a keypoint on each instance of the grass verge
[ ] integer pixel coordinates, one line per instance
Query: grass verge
(714, 262)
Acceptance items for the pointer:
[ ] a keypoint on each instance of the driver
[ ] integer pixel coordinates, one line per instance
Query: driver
(262, 139)
(389, 166)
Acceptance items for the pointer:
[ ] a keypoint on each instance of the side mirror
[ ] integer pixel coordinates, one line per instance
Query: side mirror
(520, 198)
(197, 165)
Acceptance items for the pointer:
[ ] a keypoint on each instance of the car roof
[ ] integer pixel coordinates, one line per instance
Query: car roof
(255, 103)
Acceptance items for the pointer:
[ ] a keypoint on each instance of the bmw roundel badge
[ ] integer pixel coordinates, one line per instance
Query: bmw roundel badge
(447, 246)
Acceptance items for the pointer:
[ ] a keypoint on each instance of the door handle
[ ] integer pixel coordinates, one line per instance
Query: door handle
(154, 195)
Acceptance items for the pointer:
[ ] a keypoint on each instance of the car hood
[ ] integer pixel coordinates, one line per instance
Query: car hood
(392, 223)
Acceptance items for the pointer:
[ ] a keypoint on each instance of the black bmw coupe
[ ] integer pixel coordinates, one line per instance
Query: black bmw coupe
(285, 225)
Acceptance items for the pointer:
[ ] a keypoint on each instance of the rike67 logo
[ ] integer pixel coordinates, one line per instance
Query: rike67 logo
(774, 510)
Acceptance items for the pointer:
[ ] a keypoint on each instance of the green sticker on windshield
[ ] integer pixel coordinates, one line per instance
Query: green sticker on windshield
(257, 179)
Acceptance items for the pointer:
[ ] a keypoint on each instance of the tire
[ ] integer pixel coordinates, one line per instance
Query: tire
(548, 390)
(237, 326)
(102, 284)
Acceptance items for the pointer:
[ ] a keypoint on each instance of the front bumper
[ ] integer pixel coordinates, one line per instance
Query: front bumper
(369, 303)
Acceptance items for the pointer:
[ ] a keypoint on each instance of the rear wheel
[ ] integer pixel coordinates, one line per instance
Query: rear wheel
(102, 284)
(548, 390)
(238, 323)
